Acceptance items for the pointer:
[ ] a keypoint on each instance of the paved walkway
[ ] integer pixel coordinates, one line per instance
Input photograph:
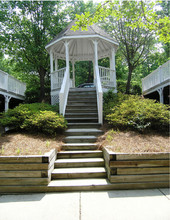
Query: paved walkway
(104, 205)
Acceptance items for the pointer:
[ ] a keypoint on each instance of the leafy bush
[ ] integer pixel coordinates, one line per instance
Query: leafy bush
(39, 117)
(137, 113)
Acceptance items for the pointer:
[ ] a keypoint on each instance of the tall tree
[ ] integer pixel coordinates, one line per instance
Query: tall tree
(27, 27)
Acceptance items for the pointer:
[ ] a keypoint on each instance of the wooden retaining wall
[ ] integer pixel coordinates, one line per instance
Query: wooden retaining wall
(26, 173)
(147, 170)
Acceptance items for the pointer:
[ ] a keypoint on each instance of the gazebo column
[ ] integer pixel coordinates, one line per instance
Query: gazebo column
(95, 42)
(51, 61)
(113, 69)
(73, 74)
(67, 54)
(56, 64)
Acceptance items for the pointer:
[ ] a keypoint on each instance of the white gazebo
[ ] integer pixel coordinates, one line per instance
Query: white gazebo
(72, 46)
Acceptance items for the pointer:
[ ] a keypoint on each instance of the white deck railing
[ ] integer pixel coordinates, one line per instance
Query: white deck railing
(158, 76)
(11, 84)
(105, 76)
(99, 92)
(57, 78)
(63, 95)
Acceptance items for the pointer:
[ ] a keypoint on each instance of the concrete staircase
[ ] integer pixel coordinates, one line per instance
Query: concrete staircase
(80, 166)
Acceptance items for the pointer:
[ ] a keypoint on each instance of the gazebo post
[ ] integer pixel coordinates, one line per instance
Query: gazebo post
(95, 42)
(113, 69)
(73, 62)
(51, 61)
(56, 64)
(67, 54)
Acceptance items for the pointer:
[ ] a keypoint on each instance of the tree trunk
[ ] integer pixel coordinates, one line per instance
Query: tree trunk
(128, 85)
(42, 72)
(90, 77)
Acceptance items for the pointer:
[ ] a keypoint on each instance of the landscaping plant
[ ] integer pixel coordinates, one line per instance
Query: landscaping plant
(132, 111)
(39, 117)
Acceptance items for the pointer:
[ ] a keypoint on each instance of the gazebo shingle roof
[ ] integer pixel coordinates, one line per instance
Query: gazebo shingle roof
(92, 30)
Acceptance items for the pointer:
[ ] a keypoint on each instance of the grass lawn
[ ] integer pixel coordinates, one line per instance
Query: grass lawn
(133, 142)
(19, 143)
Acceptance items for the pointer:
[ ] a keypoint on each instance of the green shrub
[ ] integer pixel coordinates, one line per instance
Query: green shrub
(137, 113)
(39, 117)
(45, 121)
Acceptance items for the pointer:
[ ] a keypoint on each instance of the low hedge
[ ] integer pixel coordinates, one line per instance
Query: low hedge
(132, 111)
(39, 117)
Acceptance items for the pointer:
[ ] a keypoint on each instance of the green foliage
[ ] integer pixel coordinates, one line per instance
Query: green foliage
(44, 121)
(130, 111)
(144, 17)
(39, 117)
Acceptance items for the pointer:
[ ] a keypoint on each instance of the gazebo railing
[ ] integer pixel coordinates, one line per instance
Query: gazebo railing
(105, 76)
(99, 92)
(57, 78)
(63, 95)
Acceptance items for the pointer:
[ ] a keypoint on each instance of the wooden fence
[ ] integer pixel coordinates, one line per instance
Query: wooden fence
(26, 173)
(147, 170)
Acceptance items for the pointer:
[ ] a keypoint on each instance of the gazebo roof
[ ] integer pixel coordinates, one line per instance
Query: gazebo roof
(80, 43)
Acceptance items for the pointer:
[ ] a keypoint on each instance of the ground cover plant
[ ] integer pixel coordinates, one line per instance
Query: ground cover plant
(36, 117)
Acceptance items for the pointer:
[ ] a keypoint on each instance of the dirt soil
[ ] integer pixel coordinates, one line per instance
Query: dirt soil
(134, 142)
(14, 144)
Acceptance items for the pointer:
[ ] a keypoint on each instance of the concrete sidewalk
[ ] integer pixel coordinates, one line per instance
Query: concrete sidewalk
(103, 205)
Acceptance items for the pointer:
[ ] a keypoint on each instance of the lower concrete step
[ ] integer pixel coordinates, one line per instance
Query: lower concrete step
(79, 154)
(84, 172)
(80, 139)
(79, 162)
(83, 125)
(77, 110)
(82, 120)
(81, 115)
(79, 146)
(80, 185)
(83, 132)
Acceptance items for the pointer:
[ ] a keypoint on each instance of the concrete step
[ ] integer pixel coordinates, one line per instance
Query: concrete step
(79, 154)
(82, 95)
(82, 103)
(82, 99)
(81, 185)
(81, 115)
(80, 139)
(83, 107)
(79, 146)
(83, 125)
(86, 90)
(82, 120)
(89, 172)
(76, 110)
(79, 162)
(83, 132)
